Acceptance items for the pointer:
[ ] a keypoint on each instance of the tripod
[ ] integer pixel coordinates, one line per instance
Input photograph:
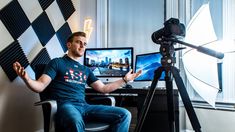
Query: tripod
(168, 61)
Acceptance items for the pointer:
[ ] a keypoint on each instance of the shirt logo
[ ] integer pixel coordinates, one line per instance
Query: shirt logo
(76, 77)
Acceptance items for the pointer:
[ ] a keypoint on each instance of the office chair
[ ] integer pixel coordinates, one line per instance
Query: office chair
(49, 108)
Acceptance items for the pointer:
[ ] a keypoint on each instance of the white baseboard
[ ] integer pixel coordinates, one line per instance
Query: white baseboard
(41, 130)
(187, 130)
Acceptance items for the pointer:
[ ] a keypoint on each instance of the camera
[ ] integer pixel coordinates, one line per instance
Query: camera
(172, 29)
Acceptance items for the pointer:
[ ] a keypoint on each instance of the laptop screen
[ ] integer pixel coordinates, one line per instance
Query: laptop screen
(148, 63)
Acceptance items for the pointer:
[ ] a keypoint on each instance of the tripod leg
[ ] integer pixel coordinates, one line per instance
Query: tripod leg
(148, 99)
(186, 100)
(170, 100)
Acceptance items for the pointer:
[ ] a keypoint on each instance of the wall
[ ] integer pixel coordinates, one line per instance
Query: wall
(88, 9)
(17, 113)
(212, 120)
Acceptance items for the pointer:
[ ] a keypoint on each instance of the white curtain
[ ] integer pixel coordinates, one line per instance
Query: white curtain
(132, 22)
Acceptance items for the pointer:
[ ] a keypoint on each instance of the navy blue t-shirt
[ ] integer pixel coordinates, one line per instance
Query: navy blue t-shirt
(69, 79)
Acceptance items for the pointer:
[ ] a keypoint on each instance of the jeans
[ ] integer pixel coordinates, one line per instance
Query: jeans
(71, 117)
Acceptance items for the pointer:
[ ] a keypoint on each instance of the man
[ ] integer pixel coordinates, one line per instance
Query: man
(67, 79)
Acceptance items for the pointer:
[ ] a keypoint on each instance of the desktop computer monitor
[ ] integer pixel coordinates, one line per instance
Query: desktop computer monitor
(109, 64)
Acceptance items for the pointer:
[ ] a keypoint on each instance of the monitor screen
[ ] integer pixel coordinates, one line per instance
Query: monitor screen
(109, 62)
(148, 63)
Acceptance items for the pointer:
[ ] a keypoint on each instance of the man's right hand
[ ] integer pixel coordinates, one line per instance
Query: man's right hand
(35, 85)
(20, 70)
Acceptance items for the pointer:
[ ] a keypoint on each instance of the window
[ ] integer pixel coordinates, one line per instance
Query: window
(130, 23)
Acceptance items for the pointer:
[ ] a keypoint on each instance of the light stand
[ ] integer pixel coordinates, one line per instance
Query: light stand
(168, 61)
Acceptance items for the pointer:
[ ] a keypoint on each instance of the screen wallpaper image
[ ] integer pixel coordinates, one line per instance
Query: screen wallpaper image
(109, 62)
(148, 63)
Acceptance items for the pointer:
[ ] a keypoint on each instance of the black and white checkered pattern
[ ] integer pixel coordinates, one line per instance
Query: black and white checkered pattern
(33, 31)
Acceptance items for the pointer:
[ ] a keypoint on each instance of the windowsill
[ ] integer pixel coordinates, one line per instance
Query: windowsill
(224, 106)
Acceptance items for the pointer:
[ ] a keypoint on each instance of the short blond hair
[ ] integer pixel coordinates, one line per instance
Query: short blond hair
(70, 38)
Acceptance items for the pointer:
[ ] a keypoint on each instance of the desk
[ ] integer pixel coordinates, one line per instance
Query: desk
(157, 117)
(120, 90)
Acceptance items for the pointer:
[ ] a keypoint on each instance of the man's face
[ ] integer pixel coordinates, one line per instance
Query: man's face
(78, 46)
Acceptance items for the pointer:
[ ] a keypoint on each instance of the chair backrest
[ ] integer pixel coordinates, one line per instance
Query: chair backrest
(44, 95)
(39, 68)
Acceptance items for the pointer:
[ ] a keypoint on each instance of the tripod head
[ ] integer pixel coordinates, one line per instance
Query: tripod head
(167, 51)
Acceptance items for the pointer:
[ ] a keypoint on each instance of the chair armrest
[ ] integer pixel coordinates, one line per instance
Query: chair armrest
(53, 106)
(52, 103)
(112, 99)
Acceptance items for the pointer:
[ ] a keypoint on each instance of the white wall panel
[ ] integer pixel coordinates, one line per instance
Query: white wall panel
(31, 8)
(28, 44)
(53, 47)
(5, 37)
(55, 16)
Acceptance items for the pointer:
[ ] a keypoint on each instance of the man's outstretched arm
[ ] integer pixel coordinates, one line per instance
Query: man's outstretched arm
(106, 88)
(34, 85)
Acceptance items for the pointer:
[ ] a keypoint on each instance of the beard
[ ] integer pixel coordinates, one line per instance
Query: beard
(77, 52)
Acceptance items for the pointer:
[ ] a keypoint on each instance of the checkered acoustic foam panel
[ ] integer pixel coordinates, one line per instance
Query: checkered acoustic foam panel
(10, 55)
(45, 3)
(66, 8)
(43, 28)
(14, 19)
(41, 58)
(62, 34)
(33, 31)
